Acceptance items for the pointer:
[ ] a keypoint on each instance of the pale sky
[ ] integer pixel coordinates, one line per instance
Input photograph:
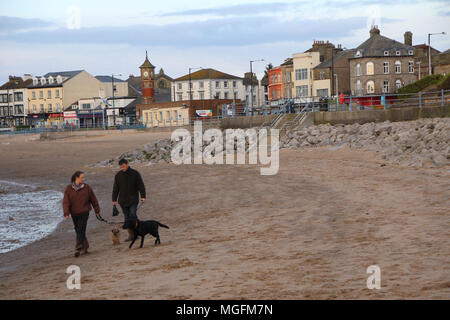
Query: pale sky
(109, 36)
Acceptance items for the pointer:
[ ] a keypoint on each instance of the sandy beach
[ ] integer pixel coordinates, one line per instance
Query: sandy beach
(309, 232)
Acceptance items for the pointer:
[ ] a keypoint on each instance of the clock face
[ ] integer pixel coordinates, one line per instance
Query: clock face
(146, 74)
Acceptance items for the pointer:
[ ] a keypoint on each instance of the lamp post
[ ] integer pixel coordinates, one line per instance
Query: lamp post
(251, 81)
(190, 84)
(429, 50)
(112, 82)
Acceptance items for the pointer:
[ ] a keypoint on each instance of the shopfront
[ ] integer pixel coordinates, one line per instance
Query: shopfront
(37, 120)
(90, 118)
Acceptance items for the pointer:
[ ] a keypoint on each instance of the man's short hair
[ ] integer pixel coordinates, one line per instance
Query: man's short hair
(123, 161)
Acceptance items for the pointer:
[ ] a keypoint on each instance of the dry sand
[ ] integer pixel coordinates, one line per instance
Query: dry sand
(309, 232)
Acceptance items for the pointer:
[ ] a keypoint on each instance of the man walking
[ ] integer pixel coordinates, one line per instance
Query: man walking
(128, 185)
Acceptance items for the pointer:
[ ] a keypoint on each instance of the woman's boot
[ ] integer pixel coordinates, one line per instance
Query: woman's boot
(77, 250)
(85, 246)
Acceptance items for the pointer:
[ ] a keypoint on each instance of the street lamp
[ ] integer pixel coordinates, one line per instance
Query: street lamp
(251, 81)
(112, 82)
(190, 85)
(429, 50)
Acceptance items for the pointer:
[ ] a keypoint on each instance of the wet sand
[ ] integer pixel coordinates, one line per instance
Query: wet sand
(309, 232)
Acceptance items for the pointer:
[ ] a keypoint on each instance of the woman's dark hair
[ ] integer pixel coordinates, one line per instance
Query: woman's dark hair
(123, 161)
(76, 175)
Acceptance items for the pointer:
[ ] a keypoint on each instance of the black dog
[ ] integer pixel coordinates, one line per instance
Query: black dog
(141, 228)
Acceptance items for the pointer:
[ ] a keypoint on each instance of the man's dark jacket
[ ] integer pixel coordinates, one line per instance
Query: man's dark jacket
(127, 186)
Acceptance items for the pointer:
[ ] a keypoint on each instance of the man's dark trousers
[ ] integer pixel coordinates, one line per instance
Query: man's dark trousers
(130, 212)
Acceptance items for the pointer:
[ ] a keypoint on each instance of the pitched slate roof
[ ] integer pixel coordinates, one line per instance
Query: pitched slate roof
(65, 74)
(16, 83)
(108, 79)
(207, 74)
(336, 58)
(68, 74)
(377, 44)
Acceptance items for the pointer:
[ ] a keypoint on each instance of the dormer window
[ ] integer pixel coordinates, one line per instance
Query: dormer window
(35, 81)
(386, 53)
(397, 53)
(358, 53)
(42, 80)
(58, 79)
(50, 80)
(411, 52)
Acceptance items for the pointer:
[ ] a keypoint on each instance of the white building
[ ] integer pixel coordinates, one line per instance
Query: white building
(207, 84)
(14, 101)
(303, 74)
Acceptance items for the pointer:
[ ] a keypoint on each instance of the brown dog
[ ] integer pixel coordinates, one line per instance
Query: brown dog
(115, 235)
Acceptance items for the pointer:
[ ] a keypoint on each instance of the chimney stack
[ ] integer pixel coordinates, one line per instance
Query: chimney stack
(408, 38)
(374, 30)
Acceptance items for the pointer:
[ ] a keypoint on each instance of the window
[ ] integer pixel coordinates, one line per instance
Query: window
(301, 74)
(234, 84)
(385, 86)
(411, 52)
(398, 84)
(398, 67)
(50, 108)
(180, 97)
(369, 68)
(86, 106)
(385, 67)
(370, 87)
(322, 75)
(386, 53)
(217, 84)
(58, 107)
(234, 95)
(179, 86)
(18, 96)
(358, 87)
(358, 69)
(411, 66)
(397, 53)
(33, 95)
(34, 108)
(201, 95)
(49, 94)
(201, 85)
(358, 53)
(57, 93)
(301, 91)
(225, 95)
(41, 94)
(225, 84)
(217, 96)
(41, 107)
(322, 92)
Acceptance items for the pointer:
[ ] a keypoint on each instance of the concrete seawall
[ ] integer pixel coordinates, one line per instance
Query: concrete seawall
(364, 116)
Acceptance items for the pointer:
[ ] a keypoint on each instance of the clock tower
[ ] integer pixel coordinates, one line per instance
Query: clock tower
(148, 81)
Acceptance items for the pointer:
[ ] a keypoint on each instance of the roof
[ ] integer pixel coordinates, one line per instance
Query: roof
(287, 62)
(67, 75)
(146, 63)
(377, 44)
(207, 74)
(341, 54)
(108, 79)
(16, 83)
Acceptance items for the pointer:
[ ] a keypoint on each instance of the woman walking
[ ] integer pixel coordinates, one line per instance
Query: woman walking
(78, 200)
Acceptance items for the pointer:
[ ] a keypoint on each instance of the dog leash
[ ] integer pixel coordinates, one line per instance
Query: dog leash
(100, 218)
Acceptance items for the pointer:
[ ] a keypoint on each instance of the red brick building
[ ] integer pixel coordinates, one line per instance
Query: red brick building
(275, 84)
